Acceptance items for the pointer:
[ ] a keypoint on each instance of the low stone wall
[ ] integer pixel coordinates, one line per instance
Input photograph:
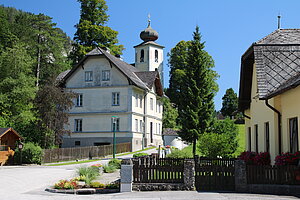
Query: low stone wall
(160, 186)
(274, 189)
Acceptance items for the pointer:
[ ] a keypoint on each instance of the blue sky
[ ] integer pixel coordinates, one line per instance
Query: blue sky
(228, 27)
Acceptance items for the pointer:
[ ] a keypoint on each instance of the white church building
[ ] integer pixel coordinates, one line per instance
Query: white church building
(113, 94)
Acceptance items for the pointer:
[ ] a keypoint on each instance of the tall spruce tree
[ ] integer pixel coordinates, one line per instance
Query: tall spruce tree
(196, 108)
(229, 103)
(92, 32)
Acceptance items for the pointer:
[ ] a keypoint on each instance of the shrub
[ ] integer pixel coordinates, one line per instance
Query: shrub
(288, 159)
(109, 168)
(65, 184)
(115, 162)
(221, 140)
(253, 158)
(97, 185)
(31, 154)
(263, 158)
(112, 186)
(184, 153)
(139, 155)
(248, 157)
(88, 174)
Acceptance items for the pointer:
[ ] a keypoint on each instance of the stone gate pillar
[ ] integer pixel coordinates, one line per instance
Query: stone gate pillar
(126, 175)
(189, 174)
(240, 176)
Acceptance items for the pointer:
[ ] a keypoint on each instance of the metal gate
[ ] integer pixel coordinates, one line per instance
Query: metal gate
(214, 174)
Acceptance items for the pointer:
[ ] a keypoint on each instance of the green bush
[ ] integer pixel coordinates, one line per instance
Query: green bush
(220, 141)
(109, 168)
(139, 155)
(31, 154)
(115, 162)
(97, 185)
(184, 153)
(88, 174)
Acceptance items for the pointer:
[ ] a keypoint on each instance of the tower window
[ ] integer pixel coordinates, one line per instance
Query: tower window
(156, 56)
(142, 55)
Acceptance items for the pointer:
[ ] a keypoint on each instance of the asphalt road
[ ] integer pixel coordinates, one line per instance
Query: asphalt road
(29, 183)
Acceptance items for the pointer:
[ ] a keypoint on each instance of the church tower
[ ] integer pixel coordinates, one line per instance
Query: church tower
(149, 55)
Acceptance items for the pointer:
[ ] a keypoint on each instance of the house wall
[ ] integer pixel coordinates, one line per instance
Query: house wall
(289, 109)
(260, 114)
(97, 107)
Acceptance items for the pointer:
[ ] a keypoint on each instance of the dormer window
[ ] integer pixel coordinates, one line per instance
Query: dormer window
(156, 56)
(88, 76)
(142, 55)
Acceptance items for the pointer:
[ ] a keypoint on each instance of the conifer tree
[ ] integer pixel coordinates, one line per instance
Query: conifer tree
(92, 32)
(198, 90)
(229, 103)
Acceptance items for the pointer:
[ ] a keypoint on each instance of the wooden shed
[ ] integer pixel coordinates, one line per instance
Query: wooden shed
(8, 142)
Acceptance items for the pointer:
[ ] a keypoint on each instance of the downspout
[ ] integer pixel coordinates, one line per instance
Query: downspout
(279, 123)
(246, 115)
(144, 121)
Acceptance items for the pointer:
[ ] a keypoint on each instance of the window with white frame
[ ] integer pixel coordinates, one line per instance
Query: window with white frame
(88, 76)
(79, 100)
(105, 75)
(136, 125)
(141, 126)
(115, 98)
(151, 103)
(159, 107)
(136, 100)
(115, 124)
(78, 125)
(141, 101)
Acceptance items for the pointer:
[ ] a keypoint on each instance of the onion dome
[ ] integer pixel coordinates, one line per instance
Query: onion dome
(149, 34)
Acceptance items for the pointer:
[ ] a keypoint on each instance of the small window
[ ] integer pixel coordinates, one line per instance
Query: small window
(267, 136)
(88, 76)
(136, 100)
(151, 103)
(115, 98)
(136, 125)
(105, 75)
(115, 124)
(249, 138)
(293, 124)
(142, 55)
(256, 137)
(141, 101)
(77, 143)
(79, 100)
(78, 125)
(141, 126)
(156, 56)
(159, 129)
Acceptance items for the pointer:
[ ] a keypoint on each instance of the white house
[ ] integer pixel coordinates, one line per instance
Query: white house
(109, 89)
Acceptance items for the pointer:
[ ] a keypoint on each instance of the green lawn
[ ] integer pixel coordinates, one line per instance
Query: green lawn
(241, 139)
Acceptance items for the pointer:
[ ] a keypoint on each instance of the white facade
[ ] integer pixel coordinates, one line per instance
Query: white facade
(105, 91)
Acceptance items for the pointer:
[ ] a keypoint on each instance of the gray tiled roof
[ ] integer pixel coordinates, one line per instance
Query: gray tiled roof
(147, 77)
(149, 42)
(3, 130)
(170, 131)
(277, 61)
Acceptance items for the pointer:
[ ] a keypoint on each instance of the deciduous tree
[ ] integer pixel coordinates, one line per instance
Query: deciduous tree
(229, 103)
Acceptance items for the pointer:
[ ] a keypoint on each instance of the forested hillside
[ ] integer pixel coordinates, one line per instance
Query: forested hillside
(33, 51)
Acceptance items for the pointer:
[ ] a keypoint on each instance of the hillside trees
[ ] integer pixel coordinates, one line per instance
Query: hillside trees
(32, 51)
(92, 32)
(196, 90)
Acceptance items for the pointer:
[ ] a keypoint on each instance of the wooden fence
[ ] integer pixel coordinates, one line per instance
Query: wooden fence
(268, 174)
(157, 170)
(215, 174)
(66, 154)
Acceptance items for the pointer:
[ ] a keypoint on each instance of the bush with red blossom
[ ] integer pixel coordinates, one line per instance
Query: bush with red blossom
(253, 158)
(288, 159)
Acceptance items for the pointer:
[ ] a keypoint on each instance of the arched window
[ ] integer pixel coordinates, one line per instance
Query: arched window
(142, 56)
(156, 56)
